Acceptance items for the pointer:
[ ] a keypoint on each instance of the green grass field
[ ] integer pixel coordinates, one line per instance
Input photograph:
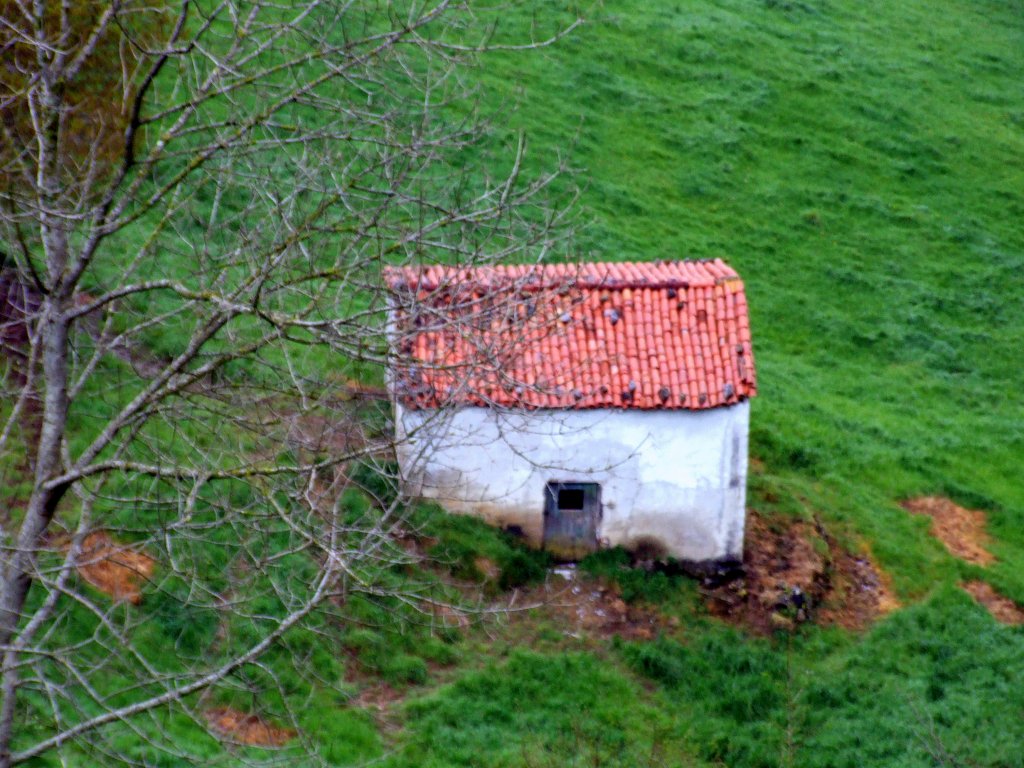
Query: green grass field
(862, 166)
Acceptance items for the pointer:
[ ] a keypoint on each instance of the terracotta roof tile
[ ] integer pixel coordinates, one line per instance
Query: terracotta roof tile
(671, 334)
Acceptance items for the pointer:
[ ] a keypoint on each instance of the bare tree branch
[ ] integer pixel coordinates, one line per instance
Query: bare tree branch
(199, 201)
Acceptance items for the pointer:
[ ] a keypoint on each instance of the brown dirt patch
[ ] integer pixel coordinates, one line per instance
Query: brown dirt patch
(380, 702)
(1003, 609)
(332, 432)
(859, 592)
(794, 572)
(961, 530)
(113, 568)
(585, 606)
(487, 568)
(246, 728)
(378, 698)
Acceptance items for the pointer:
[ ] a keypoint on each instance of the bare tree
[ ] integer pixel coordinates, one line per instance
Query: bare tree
(197, 201)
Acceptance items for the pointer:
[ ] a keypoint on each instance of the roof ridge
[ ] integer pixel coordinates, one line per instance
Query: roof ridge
(601, 275)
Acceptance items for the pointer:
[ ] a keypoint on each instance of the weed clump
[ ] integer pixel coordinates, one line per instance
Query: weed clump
(656, 662)
(657, 585)
(405, 668)
(472, 550)
(520, 568)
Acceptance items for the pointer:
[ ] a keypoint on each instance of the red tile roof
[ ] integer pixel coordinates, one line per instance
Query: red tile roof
(671, 334)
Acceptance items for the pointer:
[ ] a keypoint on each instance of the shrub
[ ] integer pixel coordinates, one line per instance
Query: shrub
(405, 669)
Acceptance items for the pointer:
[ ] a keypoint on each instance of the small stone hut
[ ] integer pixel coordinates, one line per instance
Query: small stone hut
(580, 406)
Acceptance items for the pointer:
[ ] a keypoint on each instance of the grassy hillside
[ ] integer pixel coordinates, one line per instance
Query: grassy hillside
(862, 166)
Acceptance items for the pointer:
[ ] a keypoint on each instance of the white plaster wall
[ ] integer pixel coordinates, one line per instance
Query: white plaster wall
(678, 477)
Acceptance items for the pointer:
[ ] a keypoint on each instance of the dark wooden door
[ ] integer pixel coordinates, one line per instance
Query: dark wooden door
(572, 512)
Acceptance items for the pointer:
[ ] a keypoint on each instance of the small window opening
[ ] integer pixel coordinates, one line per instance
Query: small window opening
(570, 498)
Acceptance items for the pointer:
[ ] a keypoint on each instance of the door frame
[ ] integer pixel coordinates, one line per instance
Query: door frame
(571, 534)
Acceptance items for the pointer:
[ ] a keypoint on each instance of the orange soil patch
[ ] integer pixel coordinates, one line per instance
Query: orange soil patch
(795, 572)
(114, 568)
(1003, 609)
(247, 728)
(961, 530)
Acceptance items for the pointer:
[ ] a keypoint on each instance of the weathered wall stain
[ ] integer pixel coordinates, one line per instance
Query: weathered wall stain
(673, 478)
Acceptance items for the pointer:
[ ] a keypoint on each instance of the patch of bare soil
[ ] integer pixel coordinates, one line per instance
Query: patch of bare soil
(333, 432)
(1003, 609)
(859, 593)
(961, 530)
(489, 569)
(379, 701)
(377, 697)
(589, 607)
(795, 572)
(245, 728)
(114, 568)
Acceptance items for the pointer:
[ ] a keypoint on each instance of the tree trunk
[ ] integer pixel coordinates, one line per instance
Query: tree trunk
(52, 334)
(41, 507)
